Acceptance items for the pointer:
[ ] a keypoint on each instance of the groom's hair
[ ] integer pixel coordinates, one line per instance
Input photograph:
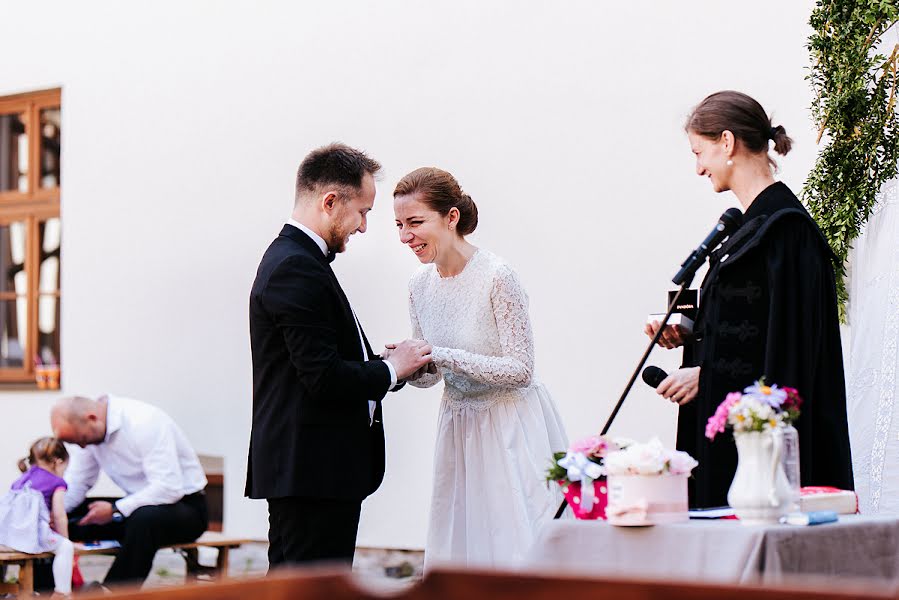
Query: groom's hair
(335, 165)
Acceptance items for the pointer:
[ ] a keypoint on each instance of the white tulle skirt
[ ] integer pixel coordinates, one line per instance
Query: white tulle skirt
(490, 494)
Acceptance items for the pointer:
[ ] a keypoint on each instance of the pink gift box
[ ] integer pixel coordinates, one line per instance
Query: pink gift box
(572, 492)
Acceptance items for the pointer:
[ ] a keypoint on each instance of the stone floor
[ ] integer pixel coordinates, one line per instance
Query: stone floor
(375, 568)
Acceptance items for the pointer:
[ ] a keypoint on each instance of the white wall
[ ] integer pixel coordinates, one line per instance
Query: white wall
(183, 124)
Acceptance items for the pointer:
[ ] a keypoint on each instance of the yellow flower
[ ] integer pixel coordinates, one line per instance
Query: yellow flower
(765, 390)
(740, 418)
(772, 422)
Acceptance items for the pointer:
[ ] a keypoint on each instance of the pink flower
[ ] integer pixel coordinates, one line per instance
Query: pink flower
(793, 401)
(718, 421)
(595, 445)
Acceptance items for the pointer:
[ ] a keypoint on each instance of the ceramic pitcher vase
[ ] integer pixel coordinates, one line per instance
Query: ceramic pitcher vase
(760, 492)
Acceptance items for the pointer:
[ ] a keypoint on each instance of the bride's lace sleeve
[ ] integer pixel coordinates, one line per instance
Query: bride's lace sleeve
(515, 366)
(428, 379)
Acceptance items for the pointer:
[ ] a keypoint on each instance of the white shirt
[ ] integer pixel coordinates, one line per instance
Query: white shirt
(145, 453)
(323, 246)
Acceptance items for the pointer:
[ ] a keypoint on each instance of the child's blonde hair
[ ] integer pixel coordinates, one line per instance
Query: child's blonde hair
(46, 449)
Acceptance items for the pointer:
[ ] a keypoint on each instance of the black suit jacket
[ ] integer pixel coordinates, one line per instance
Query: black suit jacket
(311, 433)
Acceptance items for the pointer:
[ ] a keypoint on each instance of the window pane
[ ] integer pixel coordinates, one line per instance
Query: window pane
(49, 244)
(13, 153)
(50, 233)
(48, 300)
(48, 328)
(12, 258)
(50, 141)
(13, 332)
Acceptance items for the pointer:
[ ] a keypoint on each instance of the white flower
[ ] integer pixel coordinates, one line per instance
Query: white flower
(774, 423)
(638, 459)
(680, 463)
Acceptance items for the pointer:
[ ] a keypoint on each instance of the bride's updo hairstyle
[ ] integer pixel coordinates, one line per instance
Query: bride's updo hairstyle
(741, 115)
(440, 192)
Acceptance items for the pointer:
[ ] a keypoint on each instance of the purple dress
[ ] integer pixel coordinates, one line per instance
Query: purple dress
(43, 481)
(25, 512)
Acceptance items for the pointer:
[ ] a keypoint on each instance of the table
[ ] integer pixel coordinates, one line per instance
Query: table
(721, 551)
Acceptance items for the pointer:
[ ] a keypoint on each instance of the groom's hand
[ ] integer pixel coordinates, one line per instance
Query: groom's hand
(408, 357)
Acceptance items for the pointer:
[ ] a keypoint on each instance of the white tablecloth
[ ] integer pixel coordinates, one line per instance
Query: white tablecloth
(721, 550)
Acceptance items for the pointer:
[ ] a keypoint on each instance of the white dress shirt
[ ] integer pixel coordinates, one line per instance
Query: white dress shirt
(145, 453)
(323, 246)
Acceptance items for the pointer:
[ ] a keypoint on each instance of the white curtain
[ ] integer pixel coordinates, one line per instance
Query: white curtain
(873, 389)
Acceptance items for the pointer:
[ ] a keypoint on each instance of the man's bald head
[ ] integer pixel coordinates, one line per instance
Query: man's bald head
(79, 420)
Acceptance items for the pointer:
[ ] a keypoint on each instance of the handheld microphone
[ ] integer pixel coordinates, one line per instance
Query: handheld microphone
(653, 376)
(727, 224)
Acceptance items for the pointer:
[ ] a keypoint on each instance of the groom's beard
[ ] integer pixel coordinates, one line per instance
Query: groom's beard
(337, 239)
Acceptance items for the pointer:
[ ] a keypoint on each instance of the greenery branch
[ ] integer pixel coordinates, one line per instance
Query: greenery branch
(855, 102)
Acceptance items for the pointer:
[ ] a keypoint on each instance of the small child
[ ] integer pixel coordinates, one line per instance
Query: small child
(33, 515)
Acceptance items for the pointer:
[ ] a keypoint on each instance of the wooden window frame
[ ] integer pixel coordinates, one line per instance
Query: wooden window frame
(32, 207)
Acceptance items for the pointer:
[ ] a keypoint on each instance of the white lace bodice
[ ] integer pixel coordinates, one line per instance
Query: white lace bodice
(478, 325)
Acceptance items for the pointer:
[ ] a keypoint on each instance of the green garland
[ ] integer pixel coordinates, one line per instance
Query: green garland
(855, 100)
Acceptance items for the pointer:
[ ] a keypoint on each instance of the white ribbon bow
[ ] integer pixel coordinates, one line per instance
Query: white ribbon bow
(582, 469)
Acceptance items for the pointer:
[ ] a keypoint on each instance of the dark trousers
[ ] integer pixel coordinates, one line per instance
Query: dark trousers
(306, 530)
(143, 532)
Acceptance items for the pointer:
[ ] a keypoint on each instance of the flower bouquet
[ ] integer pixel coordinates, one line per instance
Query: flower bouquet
(767, 443)
(648, 484)
(582, 476)
(759, 408)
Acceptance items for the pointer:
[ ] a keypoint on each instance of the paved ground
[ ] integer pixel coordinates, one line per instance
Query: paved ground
(382, 570)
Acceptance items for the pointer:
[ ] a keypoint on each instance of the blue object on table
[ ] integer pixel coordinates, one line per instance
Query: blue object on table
(816, 517)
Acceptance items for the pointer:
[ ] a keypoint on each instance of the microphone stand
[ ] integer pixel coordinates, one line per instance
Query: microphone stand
(630, 383)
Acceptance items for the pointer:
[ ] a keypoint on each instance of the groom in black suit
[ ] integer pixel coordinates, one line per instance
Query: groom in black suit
(317, 443)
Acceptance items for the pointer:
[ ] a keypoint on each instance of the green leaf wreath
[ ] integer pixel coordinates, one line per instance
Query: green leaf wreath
(854, 105)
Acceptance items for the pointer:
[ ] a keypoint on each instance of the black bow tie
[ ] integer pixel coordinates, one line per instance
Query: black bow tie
(331, 256)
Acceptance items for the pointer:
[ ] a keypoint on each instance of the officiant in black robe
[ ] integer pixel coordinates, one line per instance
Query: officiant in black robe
(767, 307)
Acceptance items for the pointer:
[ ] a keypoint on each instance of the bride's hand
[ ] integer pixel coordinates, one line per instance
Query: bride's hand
(428, 369)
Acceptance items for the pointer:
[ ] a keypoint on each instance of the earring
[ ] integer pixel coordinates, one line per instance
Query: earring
(729, 163)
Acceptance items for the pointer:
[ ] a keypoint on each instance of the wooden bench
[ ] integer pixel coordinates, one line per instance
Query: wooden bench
(222, 543)
(316, 584)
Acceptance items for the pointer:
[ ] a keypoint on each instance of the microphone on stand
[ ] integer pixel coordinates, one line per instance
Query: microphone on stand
(653, 376)
(727, 224)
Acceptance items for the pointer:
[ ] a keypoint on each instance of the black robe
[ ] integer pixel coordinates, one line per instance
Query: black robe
(768, 307)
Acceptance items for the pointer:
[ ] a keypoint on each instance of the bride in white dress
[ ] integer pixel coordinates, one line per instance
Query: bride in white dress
(498, 426)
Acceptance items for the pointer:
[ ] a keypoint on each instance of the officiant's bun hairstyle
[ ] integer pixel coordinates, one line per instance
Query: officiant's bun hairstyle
(741, 115)
(441, 192)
